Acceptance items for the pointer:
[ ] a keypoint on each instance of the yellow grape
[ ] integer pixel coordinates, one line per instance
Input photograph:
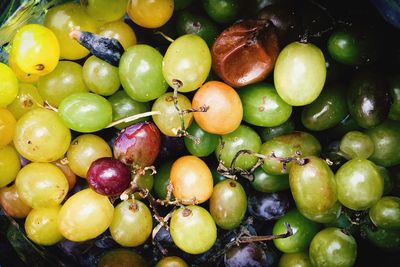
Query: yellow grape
(84, 150)
(150, 14)
(28, 98)
(21, 76)
(41, 226)
(9, 165)
(41, 136)
(85, 215)
(41, 185)
(7, 126)
(105, 10)
(8, 85)
(35, 49)
(119, 30)
(64, 81)
(62, 19)
(127, 213)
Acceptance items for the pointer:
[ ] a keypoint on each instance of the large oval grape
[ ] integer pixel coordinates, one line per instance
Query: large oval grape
(193, 229)
(85, 215)
(141, 74)
(300, 73)
(41, 136)
(187, 62)
(85, 112)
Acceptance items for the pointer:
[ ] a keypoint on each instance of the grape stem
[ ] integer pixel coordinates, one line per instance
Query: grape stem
(166, 37)
(133, 117)
(255, 238)
(182, 132)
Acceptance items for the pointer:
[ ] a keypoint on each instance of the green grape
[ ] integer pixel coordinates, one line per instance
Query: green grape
(7, 126)
(41, 185)
(41, 136)
(140, 73)
(85, 112)
(119, 30)
(41, 226)
(28, 98)
(105, 10)
(243, 138)
(8, 86)
(85, 215)
(62, 19)
(207, 142)
(101, 77)
(187, 63)
(127, 213)
(64, 81)
(123, 106)
(9, 165)
(169, 121)
(84, 150)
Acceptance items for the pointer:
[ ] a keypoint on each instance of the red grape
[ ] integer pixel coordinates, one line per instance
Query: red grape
(108, 176)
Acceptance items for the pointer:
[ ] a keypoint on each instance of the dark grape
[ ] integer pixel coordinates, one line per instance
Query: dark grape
(246, 255)
(266, 206)
(138, 144)
(108, 176)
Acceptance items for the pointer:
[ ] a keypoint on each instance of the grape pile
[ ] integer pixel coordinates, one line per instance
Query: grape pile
(200, 133)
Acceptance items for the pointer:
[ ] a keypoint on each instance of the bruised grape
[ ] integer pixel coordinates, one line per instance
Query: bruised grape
(138, 144)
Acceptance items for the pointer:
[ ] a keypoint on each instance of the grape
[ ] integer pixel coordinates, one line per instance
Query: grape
(119, 30)
(21, 76)
(105, 10)
(246, 255)
(140, 71)
(41, 185)
(9, 165)
(12, 204)
(268, 207)
(28, 98)
(108, 176)
(123, 106)
(84, 150)
(65, 80)
(7, 126)
(35, 49)
(138, 144)
(69, 174)
(78, 110)
(122, 258)
(8, 86)
(85, 215)
(40, 136)
(127, 214)
(101, 77)
(193, 229)
(169, 121)
(187, 61)
(150, 14)
(62, 19)
(41, 226)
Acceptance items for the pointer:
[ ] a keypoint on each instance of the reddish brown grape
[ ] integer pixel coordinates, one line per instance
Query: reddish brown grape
(108, 176)
(138, 145)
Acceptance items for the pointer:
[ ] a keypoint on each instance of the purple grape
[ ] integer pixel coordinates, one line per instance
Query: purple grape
(138, 145)
(109, 176)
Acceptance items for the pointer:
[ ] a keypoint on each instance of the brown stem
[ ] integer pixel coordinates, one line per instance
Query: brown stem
(250, 239)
